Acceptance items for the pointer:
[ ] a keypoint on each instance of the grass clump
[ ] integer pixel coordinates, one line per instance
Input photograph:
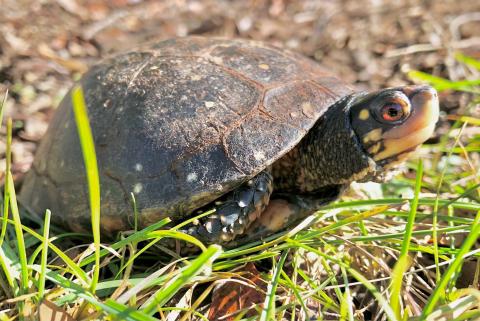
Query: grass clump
(395, 257)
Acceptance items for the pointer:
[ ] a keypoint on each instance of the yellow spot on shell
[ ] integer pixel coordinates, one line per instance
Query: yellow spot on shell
(264, 66)
(137, 188)
(308, 110)
(259, 155)
(209, 104)
(192, 177)
(373, 136)
(196, 77)
(217, 60)
(364, 114)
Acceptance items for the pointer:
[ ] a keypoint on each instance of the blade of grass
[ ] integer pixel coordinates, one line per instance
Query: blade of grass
(43, 262)
(6, 264)
(178, 235)
(268, 242)
(268, 312)
(332, 279)
(201, 263)
(393, 236)
(443, 283)
(396, 284)
(444, 84)
(453, 268)
(134, 254)
(132, 250)
(399, 201)
(8, 157)
(390, 315)
(160, 235)
(402, 265)
(329, 302)
(74, 268)
(465, 119)
(2, 107)
(187, 316)
(230, 264)
(413, 210)
(117, 310)
(141, 235)
(346, 306)
(16, 219)
(20, 241)
(468, 60)
(455, 308)
(437, 198)
(155, 278)
(135, 212)
(90, 159)
(354, 218)
(293, 286)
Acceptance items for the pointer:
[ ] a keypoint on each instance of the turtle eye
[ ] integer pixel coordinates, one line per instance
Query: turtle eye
(393, 112)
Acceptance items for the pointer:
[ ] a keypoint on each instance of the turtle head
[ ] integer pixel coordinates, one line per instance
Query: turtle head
(363, 136)
(391, 123)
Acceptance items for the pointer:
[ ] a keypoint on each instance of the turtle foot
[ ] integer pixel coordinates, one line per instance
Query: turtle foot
(234, 212)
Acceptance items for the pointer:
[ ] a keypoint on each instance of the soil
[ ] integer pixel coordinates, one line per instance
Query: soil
(46, 45)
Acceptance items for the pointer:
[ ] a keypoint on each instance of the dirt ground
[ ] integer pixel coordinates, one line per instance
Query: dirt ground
(46, 44)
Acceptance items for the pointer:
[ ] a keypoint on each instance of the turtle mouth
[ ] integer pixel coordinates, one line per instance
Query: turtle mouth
(419, 126)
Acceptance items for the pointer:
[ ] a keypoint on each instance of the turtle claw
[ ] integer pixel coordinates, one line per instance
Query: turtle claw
(237, 210)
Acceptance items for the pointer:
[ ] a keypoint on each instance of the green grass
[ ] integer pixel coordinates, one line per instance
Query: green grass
(398, 257)
(90, 159)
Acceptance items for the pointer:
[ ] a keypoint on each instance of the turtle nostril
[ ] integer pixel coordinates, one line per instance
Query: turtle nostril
(425, 97)
(428, 91)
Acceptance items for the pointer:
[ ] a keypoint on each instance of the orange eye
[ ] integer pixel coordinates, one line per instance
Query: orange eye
(392, 112)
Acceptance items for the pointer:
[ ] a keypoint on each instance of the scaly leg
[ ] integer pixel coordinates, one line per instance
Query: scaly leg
(235, 212)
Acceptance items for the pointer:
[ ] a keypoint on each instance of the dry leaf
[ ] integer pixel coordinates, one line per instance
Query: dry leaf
(49, 311)
(233, 296)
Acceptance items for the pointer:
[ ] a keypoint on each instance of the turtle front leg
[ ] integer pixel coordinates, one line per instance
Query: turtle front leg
(235, 212)
(284, 211)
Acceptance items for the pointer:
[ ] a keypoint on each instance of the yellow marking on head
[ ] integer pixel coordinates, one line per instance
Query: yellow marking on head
(364, 114)
(373, 136)
(399, 159)
(375, 148)
(397, 146)
(264, 66)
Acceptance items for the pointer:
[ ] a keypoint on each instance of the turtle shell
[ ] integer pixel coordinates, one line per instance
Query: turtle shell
(177, 123)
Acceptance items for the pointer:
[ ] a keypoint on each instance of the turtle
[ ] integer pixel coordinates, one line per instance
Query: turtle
(262, 135)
